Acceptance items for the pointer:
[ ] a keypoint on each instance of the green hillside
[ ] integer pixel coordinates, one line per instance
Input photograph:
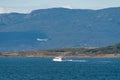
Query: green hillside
(113, 50)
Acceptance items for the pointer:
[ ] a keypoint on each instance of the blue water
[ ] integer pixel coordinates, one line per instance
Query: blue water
(46, 69)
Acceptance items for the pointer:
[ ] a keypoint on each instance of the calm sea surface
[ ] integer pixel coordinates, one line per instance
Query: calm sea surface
(46, 69)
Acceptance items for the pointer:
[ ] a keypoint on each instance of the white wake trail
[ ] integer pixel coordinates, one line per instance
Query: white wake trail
(71, 60)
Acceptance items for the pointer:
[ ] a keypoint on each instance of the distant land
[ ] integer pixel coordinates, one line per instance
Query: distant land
(103, 52)
(59, 28)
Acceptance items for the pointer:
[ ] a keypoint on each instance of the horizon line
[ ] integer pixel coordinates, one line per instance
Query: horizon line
(56, 8)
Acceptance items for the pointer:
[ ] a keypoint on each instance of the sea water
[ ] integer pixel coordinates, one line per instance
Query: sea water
(46, 69)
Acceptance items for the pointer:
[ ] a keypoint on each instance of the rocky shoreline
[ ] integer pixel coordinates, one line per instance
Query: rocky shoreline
(61, 54)
(103, 52)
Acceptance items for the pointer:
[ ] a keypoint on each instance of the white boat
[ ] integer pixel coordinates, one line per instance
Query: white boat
(60, 58)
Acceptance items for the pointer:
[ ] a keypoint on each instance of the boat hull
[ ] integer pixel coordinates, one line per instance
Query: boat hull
(57, 60)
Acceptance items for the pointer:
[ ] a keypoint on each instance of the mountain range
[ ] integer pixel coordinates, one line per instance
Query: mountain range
(62, 27)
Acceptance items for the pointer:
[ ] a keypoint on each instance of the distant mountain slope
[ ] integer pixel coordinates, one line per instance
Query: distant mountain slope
(11, 18)
(64, 27)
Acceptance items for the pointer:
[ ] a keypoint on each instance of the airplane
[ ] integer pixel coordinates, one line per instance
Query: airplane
(42, 40)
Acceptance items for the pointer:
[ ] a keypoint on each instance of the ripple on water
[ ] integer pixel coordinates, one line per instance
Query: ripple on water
(46, 69)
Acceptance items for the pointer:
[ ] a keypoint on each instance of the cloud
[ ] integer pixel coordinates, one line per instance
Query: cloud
(9, 10)
(67, 6)
(2, 10)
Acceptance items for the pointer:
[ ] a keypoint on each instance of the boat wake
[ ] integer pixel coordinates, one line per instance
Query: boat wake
(75, 60)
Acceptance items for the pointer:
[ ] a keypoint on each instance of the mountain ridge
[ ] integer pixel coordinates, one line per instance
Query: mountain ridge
(63, 27)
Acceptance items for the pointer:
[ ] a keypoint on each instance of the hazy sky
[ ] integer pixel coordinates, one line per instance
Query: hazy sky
(29, 5)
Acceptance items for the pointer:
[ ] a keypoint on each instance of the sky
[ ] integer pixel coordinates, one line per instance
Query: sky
(26, 6)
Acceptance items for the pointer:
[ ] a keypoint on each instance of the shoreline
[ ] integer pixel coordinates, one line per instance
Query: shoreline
(67, 56)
